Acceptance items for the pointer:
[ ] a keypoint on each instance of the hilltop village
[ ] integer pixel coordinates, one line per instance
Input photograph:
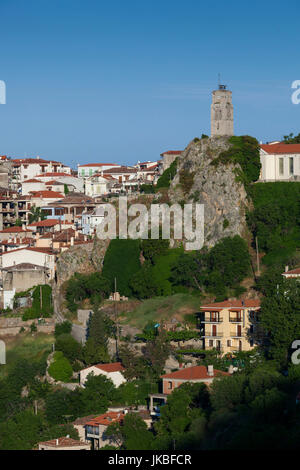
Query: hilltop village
(140, 344)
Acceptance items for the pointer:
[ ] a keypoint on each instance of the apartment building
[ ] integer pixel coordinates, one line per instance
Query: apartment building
(29, 168)
(229, 326)
(89, 169)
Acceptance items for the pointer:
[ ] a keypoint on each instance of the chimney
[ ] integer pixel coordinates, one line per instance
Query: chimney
(23, 227)
(286, 269)
(72, 241)
(210, 370)
(230, 369)
(57, 442)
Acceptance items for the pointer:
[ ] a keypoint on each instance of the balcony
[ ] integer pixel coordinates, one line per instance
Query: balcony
(212, 320)
(235, 320)
(235, 334)
(216, 335)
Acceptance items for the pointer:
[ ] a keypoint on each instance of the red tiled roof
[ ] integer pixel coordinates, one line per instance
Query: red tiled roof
(33, 180)
(49, 251)
(53, 174)
(63, 442)
(106, 419)
(14, 230)
(121, 169)
(52, 182)
(281, 148)
(45, 223)
(193, 373)
(47, 194)
(232, 304)
(112, 367)
(99, 164)
(29, 160)
(292, 271)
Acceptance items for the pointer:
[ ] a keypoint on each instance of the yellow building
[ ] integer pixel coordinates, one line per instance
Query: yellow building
(228, 326)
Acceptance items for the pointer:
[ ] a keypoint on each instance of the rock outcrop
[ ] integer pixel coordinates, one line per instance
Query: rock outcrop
(86, 258)
(217, 187)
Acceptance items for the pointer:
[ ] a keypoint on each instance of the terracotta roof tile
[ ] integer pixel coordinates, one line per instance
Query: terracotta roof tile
(281, 148)
(193, 373)
(234, 304)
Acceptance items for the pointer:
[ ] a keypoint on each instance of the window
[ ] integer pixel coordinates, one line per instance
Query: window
(170, 385)
(291, 162)
(229, 343)
(281, 166)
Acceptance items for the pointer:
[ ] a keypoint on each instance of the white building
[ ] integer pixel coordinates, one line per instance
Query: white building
(89, 169)
(280, 162)
(112, 371)
(28, 168)
(98, 185)
(90, 220)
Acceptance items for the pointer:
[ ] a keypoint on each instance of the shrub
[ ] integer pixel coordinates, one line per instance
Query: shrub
(244, 150)
(60, 369)
(167, 176)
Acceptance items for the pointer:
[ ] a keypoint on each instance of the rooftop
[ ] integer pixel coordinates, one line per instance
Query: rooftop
(281, 148)
(111, 367)
(106, 419)
(193, 373)
(63, 442)
(233, 304)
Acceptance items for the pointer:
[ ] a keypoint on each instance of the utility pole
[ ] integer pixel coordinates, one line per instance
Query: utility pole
(116, 321)
(257, 256)
(41, 297)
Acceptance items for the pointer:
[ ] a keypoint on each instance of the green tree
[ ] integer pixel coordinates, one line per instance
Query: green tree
(36, 214)
(70, 348)
(98, 393)
(280, 318)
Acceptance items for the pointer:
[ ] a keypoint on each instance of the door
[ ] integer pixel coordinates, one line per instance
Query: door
(239, 330)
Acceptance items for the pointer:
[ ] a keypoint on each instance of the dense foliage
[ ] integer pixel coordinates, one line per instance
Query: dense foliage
(275, 219)
(121, 262)
(217, 270)
(41, 303)
(244, 150)
(165, 179)
(93, 286)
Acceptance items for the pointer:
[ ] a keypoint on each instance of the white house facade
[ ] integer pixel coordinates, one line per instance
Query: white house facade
(112, 371)
(280, 162)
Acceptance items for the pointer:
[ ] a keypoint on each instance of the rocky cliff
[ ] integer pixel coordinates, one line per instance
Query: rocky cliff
(86, 258)
(216, 186)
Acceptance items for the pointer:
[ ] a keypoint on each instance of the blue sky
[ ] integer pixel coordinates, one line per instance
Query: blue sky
(121, 81)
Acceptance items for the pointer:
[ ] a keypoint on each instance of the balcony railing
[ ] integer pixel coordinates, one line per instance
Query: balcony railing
(212, 320)
(212, 335)
(235, 334)
(235, 319)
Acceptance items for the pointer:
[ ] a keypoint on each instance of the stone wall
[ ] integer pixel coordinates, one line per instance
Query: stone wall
(11, 326)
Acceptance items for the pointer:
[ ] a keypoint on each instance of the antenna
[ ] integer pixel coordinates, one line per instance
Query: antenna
(219, 80)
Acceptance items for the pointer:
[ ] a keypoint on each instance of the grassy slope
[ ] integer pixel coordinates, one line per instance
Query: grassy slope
(163, 308)
(26, 346)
